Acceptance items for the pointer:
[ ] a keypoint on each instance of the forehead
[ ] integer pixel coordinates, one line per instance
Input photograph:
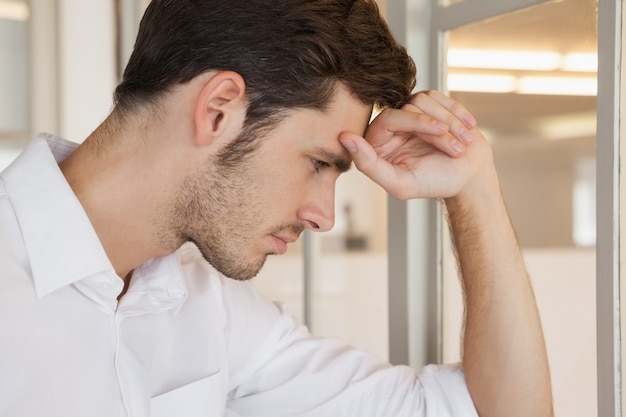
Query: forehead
(345, 113)
(348, 111)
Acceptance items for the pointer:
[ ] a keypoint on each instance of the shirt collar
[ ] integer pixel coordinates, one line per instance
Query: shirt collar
(157, 285)
(61, 243)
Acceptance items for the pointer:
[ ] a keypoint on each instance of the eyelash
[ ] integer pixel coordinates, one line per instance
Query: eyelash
(317, 164)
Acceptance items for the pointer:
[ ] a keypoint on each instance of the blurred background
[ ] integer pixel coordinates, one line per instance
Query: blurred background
(530, 78)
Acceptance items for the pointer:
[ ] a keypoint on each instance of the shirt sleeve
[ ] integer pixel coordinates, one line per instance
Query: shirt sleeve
(278, 369)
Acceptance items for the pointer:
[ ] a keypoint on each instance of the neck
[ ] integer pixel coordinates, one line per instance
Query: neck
(115, 178)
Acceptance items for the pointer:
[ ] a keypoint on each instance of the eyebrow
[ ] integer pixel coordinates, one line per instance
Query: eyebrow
(339, 162)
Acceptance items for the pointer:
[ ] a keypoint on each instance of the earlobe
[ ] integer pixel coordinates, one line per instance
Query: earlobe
(220, 107)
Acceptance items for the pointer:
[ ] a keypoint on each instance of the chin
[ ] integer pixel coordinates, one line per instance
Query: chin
(233, 266)
(242, 271)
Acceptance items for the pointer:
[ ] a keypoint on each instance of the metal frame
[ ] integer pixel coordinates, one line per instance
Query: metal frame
(468, 11)
(414, 261)
(608, 210)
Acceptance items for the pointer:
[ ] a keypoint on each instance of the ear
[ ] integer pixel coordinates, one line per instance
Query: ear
(220, 107)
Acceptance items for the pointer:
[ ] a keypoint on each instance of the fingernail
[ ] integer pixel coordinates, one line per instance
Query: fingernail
(349, 145)
(456, 145)
(465, 136)
(441, 126)
(469, 121)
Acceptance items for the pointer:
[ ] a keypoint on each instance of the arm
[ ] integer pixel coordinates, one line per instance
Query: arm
(412, 156)
(277, 368)
(504, 355)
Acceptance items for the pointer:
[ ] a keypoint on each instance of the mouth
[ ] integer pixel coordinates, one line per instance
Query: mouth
(281, 243)
(284, 235)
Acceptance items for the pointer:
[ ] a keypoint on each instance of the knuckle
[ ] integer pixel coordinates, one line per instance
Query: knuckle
(457, 107)
(420, 97)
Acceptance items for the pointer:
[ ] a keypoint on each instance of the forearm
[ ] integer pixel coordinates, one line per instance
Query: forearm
(410, 154)
(504, 354)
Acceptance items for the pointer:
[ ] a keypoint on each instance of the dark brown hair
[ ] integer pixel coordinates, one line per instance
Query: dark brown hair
(291, 53)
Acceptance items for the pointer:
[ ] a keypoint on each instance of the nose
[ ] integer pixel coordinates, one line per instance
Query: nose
(317, 212)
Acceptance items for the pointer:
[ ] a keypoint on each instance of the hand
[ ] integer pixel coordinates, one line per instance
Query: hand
(430, 148)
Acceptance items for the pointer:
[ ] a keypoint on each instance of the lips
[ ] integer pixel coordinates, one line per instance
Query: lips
(281, 243)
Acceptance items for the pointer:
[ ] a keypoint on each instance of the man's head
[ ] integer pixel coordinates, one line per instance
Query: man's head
(290, 53)
(282, 78)
(239, 214)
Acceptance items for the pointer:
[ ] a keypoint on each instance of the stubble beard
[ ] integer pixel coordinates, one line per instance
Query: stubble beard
(215, 209)
(218, 217)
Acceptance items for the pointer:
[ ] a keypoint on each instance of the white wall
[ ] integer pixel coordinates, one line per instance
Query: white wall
(87, 74)
(72, 71)
(14, 85)
(44, 70)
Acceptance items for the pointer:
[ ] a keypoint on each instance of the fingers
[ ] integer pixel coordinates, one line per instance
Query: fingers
(393, 127)
(431, 116)
(447, 110)
(367, 160)
(409, 119)
(364, 156)
(420, 150)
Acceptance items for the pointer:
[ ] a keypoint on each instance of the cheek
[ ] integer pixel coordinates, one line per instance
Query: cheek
(285, 179)
(284, 192)
(281, 182)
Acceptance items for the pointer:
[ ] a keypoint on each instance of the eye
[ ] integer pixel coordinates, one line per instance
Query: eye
(318, 165)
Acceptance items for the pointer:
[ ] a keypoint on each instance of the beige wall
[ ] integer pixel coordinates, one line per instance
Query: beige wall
(564, 284)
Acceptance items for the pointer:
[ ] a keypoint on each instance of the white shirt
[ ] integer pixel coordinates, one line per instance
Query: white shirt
(183, 341)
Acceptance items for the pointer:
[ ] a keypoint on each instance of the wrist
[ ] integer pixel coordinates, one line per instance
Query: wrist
(479, 197)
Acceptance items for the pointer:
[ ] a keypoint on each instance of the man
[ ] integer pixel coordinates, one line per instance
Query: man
(231, 125)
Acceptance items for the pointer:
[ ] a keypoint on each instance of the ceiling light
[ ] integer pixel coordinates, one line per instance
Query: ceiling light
(500, 83)
(504, 59)
(580, 62)
(566, 86)
(522, 60)
(482, 83)
(14, 10)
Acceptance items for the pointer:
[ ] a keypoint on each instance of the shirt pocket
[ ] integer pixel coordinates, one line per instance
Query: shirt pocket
(205, 397)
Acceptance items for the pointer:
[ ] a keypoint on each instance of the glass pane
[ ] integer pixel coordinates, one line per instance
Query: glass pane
(350, 289)
(14, 79)
(530, 79)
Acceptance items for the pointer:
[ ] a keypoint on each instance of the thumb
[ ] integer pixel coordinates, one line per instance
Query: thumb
(367, 160)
